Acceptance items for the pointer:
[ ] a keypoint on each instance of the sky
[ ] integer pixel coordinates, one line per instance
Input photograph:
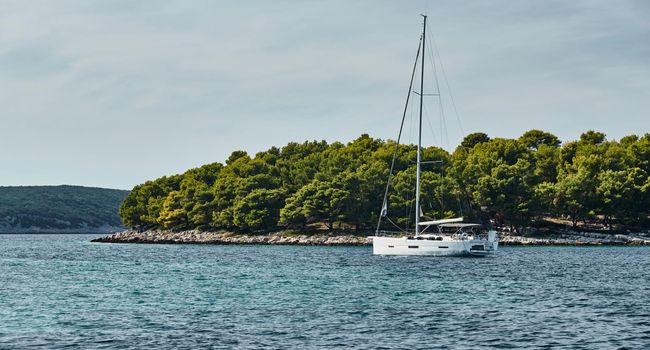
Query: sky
(112, 93)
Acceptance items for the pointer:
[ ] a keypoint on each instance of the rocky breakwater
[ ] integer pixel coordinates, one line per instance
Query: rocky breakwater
(222, 237)
(577, 238)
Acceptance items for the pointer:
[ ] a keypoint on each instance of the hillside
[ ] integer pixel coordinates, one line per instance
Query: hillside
(59, 209)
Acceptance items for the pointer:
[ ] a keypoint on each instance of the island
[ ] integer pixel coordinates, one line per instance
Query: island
(534, 189)
(60, 209)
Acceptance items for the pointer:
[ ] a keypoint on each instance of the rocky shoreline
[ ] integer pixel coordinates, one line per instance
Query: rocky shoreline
(575, 238)
(226, 237)
(324, 239)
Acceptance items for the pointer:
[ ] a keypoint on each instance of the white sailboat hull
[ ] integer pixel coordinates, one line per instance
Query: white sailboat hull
(445, 247)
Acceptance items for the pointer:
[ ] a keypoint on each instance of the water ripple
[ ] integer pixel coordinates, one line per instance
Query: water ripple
(64, 292)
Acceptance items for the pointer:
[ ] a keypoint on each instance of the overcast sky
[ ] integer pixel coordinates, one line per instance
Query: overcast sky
(112, 93)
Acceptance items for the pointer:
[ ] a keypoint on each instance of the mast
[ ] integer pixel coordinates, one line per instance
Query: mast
(419, 160)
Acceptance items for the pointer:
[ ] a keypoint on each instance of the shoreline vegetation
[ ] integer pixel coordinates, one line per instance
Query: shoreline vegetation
(532, 183)
(328, 238)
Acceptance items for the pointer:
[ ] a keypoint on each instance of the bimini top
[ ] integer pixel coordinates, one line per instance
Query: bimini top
(438, 222)
(459, 225)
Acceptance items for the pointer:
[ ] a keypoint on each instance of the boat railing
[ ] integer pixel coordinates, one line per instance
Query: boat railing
(391, 233)
(458, 234)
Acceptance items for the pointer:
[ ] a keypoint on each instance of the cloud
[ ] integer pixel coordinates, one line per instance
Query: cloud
(112, 93)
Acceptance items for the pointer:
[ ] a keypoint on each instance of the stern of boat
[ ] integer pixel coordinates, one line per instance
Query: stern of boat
(485, 247)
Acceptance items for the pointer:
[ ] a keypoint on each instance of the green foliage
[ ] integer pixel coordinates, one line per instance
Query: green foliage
(511, 181)
(60, 208)
(535, 138)
(621, 192)
(173, 215)
(142, 206)
(259, 209)
(474, 139)
(507, 192)
(593, 137)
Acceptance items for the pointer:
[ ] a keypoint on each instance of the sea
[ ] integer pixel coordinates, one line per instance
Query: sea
(64, 292)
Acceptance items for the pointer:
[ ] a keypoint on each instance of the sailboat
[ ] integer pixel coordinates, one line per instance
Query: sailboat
(444, 237)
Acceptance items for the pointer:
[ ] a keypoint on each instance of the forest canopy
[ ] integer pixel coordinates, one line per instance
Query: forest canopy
(64, 209)
(513, 182)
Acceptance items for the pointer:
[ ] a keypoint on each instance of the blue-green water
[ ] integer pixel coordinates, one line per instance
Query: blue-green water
(61, 291)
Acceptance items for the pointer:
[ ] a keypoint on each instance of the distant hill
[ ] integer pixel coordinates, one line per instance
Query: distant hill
(59, 209)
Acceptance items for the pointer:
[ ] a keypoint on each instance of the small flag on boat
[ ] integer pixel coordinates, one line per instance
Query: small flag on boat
(384, 209)
(421, 212)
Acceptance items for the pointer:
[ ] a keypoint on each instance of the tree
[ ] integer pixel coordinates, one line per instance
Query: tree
(546, 160)
(479, 162)
(439, 195)
(258, 210)
(142, 206)
(640, 152)
(533, 139)
(172, 215)
(132, 209)
(474, 139)
(623, 194)
(366, 186)
(318, 201)
(629, 140)
(575, 190)
(592, 137)
(507, 193)
(298, 164)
